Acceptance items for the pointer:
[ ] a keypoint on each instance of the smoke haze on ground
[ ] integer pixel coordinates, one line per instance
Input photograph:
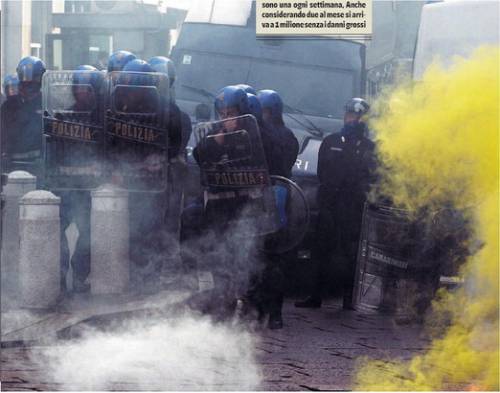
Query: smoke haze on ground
(184, 353)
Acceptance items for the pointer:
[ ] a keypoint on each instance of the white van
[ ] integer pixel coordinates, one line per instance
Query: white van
(454, 28)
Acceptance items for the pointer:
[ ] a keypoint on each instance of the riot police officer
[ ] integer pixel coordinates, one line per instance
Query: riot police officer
(218, 213)
(267, 287)
(224, 206)
(345, 169)
(87, 86)
(180, 123)
(180, 129)
(147, 207)
(272, 112)
(23, 149)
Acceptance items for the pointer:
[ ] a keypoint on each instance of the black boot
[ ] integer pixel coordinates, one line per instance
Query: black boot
(310, 302)
(347, 302)
(275, 321)
(261, 314)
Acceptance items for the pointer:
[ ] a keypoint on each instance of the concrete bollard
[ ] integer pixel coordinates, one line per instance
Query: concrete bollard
(39, 253)
(109, 234)
(18, 184)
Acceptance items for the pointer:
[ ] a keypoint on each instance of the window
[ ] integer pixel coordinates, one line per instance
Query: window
(317, 91)
(76, 6)
(209, 72)
(35, 49)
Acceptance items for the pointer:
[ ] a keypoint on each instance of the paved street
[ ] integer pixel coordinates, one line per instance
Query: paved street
(316, 350)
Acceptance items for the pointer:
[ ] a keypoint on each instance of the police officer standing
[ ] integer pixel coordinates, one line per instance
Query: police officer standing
(179, 121)
(345, 167)
(24, 147)
(146, 207)
(179, 132)
(281, 148)
(220, 208)
(76, 204)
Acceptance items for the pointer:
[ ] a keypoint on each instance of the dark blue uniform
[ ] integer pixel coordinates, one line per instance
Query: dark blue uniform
(148, 214)
(8, 113)
(24, 145)
(267, 287)
(148, 203)
(76, 205)
(286, 147)
(175, 130)
(187, 129)
(218, 216)
(23, 135)
(345, 171)
(177, 177)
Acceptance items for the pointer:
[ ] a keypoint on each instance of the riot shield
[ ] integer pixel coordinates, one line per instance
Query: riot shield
(393, 249)
(73, 129)
(293, 216)
(136, 130)
(233, 167)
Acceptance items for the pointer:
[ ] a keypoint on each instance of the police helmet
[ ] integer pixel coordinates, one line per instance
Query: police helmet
(254, 106)
(86, 67)
(357, 106)
(231, 96)
(165, 66)
(138, 65)
(85, 76)
(247, 88)
(119, 59)
(269, 99)
(30, 69)
(11, 85)
(135, 74)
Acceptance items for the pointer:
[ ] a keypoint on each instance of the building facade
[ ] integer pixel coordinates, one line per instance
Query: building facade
(67, 33)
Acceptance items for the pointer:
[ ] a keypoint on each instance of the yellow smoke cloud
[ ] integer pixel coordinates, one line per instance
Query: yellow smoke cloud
(438, 143)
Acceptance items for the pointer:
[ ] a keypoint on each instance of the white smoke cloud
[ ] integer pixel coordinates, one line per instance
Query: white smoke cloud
(183, 353)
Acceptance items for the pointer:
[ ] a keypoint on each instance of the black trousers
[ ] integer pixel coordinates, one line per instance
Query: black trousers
(148, 233)
(338, 231)
(228, 248)
(75, 207)
(267, 284)
(190, 236)
(216, 237)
